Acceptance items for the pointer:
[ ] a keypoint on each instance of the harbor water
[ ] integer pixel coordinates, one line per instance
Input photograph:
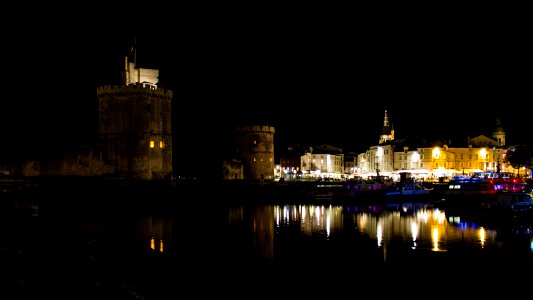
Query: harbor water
(167, 242)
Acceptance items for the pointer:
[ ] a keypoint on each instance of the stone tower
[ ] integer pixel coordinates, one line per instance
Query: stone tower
(255, 147)
(135, 125)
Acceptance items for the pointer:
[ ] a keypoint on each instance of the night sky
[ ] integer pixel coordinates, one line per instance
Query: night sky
(317, 79)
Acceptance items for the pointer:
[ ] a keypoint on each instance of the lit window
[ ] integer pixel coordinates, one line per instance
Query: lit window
(271, 159)
(152, 144)
(255, 142)
(161, 144)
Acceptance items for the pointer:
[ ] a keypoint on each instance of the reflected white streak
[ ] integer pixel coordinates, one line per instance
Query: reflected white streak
(414, 230)
(379, 234)
(277, 215)
(328, 223)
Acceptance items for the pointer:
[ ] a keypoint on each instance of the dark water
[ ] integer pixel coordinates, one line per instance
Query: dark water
(155, 244)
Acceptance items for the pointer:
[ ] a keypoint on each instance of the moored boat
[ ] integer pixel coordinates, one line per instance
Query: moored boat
(489, 190)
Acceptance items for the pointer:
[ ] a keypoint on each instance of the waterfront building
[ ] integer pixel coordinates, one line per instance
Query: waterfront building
(323, 161)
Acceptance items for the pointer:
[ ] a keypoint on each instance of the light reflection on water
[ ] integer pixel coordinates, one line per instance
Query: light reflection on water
(278, 243)
(423, 229)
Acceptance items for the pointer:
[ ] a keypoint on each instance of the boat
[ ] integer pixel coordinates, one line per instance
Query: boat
(410, 191)
(486, 183)
(489, 190)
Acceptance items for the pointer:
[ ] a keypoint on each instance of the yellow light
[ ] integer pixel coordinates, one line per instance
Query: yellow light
(161, 144)
(435, 238)
(152, 244)
(482, 236)
(152, 144)
(436, 152)
(160, 245)
(483, 153)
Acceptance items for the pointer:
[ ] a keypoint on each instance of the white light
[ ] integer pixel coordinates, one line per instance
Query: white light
(379, 152)
(415, 157)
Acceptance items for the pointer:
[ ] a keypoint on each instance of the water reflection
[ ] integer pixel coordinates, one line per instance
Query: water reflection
(277, 228)
(186, 244)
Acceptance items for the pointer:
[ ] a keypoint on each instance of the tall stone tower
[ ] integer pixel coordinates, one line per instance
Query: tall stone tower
(255, 147)
(135, 125)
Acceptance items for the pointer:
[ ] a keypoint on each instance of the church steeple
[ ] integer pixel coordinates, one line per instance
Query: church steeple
(499, 134)
(387, 134)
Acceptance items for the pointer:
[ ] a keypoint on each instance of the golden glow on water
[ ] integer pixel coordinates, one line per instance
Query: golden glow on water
(363, 220)
(482, 236)
(440, 216)
(435, 238)
(420, 229)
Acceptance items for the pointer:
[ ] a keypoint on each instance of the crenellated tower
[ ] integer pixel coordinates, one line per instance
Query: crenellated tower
(135, 125)
(255, 147)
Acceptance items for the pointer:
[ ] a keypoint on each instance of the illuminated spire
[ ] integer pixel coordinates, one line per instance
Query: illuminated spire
(386, 134)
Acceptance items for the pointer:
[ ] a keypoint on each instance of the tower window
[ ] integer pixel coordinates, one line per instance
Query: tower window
(152, 144)
(161, 144)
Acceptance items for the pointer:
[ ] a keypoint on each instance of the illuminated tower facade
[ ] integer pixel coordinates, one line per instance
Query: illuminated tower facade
(255, 147)
(135, 125)
(499, 134)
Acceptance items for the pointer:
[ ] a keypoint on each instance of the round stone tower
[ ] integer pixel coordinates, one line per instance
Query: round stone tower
(255, 147)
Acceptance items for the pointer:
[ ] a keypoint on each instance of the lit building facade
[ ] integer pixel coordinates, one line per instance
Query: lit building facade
(433, 162)
(323, 162)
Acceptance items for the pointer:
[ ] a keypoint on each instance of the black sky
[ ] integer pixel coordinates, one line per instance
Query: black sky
(318, 78)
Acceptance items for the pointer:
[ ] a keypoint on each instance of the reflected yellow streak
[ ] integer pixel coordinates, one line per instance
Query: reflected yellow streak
(482, 236)
(435, 238)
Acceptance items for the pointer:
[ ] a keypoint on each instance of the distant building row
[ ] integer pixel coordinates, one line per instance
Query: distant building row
(254, 157)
